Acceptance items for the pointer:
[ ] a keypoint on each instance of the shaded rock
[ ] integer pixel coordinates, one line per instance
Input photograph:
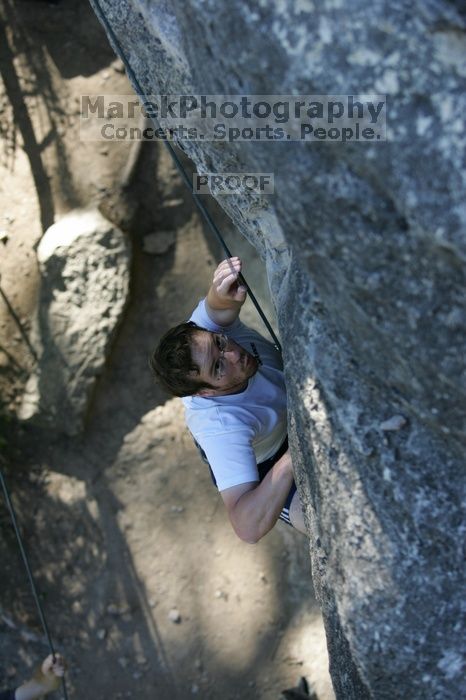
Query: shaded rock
(393, 423)
(4, 360)
(84, 263)
(158, 243)
(365, 250)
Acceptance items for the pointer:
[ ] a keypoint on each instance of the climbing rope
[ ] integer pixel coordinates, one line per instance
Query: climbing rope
(30, 576)
(200, 205)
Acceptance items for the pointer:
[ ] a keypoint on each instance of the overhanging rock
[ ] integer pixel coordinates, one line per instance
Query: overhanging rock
(365, 249)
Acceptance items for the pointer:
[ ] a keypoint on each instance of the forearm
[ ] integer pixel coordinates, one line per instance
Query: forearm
(257, 511)
(29, 691)
(39, 685)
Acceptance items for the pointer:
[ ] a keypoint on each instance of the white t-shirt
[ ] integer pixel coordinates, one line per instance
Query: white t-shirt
(238, 431)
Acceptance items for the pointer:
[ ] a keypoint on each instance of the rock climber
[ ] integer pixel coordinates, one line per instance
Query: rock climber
(45, 680)
(233, 389)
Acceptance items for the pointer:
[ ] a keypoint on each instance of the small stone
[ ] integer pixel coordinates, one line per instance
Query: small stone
(117, 610)
(123, 661)
(174, 616)
(3, 236)
(101, 634)
(262, 577)
(118, 66)
(393, 423)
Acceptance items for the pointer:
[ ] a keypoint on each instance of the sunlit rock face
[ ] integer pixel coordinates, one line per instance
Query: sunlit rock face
(84, 262)
(365, 250)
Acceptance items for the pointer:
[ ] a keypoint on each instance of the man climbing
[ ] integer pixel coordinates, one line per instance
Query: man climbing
(233, 389)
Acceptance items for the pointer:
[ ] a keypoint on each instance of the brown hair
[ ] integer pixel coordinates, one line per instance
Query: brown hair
(172, 362)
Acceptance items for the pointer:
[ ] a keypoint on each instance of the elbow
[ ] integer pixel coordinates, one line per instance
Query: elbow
(247, 525)
(249, 539)
(248, 534)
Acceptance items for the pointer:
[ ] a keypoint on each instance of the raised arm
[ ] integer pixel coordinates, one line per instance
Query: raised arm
(226, 296)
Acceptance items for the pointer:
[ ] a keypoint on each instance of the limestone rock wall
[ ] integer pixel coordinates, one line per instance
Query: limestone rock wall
(365, 251)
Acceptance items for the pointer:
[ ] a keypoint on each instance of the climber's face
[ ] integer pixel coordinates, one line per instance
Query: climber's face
(222, 363)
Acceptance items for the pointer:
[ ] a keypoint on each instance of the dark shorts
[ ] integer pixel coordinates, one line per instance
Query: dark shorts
(263, 468)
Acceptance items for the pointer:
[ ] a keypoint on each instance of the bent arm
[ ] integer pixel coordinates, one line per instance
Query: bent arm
(226, 296)
(254, 508)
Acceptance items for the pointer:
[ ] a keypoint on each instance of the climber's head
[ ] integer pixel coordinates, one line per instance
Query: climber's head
(190, 360)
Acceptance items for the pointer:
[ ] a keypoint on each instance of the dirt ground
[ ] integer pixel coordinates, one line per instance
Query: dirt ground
(145, 587)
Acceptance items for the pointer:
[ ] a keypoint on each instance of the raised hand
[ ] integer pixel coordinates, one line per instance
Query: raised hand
(52, 671)
(225, 281)
(45, 680)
